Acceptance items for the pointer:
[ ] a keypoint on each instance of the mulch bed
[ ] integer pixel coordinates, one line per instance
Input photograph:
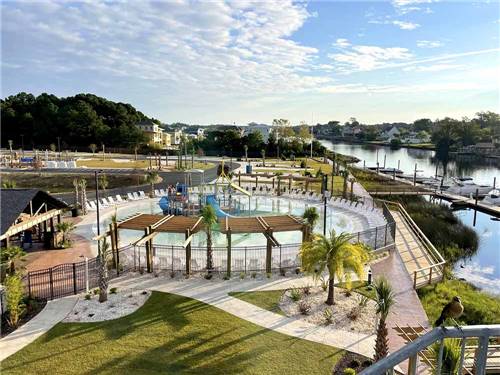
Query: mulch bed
(351, 360)
(32, 310)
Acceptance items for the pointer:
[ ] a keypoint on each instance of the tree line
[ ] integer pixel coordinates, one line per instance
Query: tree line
(73, 121)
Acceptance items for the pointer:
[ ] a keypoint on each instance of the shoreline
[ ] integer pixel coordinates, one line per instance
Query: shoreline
(375, 143)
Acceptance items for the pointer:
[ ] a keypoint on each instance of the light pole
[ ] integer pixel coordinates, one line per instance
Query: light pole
(87, 287)
(97, 212)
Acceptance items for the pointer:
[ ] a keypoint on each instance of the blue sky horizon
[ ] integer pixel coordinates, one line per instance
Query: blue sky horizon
(243, 61)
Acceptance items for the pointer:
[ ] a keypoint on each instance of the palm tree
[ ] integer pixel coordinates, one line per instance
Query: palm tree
(65, 227)
(263, 153)
(9, 184)
(385, 300)
(102, 262)
(93, 148)
(311, 216)
(335, 253)
(151, 178)
(9, 255)
(352, 180)
(345, 174)
(245, 147)
(83, 195)
(103, 181)
(76, 184)
(209, 219)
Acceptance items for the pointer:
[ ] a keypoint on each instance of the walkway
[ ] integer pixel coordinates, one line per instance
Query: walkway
(215, 293)
(53, 313)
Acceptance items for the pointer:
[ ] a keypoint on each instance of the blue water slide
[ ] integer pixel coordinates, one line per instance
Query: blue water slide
(164, 203)
(213, 202)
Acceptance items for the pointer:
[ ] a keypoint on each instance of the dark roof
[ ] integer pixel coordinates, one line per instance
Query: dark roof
(13, 202)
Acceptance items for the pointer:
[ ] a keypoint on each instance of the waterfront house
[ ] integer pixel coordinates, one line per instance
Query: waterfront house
(152, 132)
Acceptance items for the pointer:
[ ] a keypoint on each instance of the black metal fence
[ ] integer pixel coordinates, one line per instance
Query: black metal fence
(71, 278)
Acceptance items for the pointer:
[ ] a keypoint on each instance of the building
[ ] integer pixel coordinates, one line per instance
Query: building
(177, 137)
(390, 134)
(263, 129)
(416, 138)
(29, 212)
(152, 131)
(166, 139)
(351, 131)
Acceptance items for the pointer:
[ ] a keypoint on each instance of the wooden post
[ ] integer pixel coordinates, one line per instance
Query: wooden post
(415, 175)
(269, 250)
(113, 245)
(279, 186)
(289, 183)
(228, 267)
(475, 208)
(188, 254)
(117, 245)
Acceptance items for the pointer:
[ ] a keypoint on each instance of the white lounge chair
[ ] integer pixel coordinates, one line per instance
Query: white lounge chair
(131, 197)
(142, 195)
(112, 201)
(88, 207)
(92, 205)
(136, 196)
(157, 193)
(163, 192)
(119, 198)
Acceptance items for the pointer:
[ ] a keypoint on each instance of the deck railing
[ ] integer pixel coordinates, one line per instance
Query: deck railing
(484, 356)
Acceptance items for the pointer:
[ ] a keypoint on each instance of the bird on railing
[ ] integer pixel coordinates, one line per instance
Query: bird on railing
(452, 310)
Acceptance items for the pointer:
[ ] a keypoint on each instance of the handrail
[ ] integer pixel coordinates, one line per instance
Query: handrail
(412, 349)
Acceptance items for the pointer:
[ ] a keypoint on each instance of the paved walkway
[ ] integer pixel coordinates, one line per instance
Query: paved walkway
(53, 313)
(215, 293)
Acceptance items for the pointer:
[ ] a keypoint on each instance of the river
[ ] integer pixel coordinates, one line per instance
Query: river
(483, 269)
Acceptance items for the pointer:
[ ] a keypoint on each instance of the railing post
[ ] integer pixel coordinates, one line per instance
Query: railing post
(412, 365)
(245, 259)
(74, 279)
(51, 284)
(481, 355)
(415, 280)
(385, 235)
(430, 275)
(29, 285)
(376, 234)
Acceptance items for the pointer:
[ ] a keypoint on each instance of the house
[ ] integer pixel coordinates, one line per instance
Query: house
(416, 138)
(390, 134)
(351, 131)
(152, 131)
(27, 212)
(166, 139)
(177, 137)
(482, 148)
(263, 129)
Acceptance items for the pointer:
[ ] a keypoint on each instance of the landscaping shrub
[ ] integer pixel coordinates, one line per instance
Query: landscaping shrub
(354, 313)
(362, 301)
(304, 307)
(88, 296)
(253, 275)
(172, 274)
(14, 298)
(96, 291)
(268, 275)
(349, 371)
(328, 315)
(113, 290)
(242, 275)
(324, 284)
(307, 290)
(283, 272)
(295, 294)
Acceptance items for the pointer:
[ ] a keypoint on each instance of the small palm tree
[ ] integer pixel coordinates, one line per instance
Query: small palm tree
(151, 178)
(311, 216)
(209, 219)
(103, 181)
(102, 262)
(245, 147)
(336, 254)
(83, 195)
(385, 300)
(65, 227)
(76, 184)
(263, 153)
(93, 148)
(9, 184)
(9, 255)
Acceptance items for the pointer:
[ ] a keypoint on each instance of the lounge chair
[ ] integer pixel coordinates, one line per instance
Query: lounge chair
(136, 196)
(119, 198)
(157, 193)
(142, 195)
(111, 201)
(88, 207)
(163, 192)
(92, 205)
(103, 202)
(131, 197)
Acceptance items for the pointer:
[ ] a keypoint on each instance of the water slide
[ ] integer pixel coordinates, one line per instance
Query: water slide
(213, 202)
(241, 190)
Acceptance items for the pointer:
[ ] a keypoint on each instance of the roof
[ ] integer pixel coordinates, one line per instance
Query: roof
(14, 202)
(161, 223)
(260, 224)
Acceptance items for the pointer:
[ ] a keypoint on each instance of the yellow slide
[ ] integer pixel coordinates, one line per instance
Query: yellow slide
(236, 187)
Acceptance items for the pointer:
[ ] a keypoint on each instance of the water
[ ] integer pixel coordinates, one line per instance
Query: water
(483, 171)
(483, 269)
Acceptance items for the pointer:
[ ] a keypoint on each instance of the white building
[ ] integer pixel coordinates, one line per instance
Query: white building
(390, 134)
(152, 131)
(263, 129)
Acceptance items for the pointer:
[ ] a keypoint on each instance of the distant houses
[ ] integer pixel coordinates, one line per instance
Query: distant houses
(263, 129)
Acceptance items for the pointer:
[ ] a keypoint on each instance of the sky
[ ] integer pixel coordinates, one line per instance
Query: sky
(241, 61)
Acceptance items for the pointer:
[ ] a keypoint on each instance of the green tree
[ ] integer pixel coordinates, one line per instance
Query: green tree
(102, 264)
(385, 301)
(65, 227)
(93, 147)
(209, 219)
(8, 184)
(151, 178)
(9, 255)
(304, 133)
(263, 154)
(14, 296)
(335, 254)
(311, 216)
(103, 181)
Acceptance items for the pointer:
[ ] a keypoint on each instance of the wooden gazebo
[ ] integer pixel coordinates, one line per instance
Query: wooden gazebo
(154, 224)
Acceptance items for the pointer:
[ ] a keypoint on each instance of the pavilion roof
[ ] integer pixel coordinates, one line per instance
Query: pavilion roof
(161, 223)
(260, 224)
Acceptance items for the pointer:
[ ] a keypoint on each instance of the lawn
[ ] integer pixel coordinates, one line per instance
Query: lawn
(373, 182)
(135, 164)
(479, 307)
(267, 299)
(171, 334)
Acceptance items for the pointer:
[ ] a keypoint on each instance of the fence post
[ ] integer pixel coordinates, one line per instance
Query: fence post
(245, 259)
(415, 280)
(51, 284)
(430, 275)
(29, 285)
(358, 236)
(385, 236)
(376, 234)
(74, 279)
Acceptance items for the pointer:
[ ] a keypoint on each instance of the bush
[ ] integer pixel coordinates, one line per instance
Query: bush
(14, 296)
(362, 301)
(354, 313)
(88, 296)
(253, 275)
(172, 274)
(304, 307)
(303, 164)
(268, 275)
(113, 290)
(328, 315)
(295, 294)
(208, 276)
(349, 371)
(283, 272)
(226, 277)
(96, 291)
(324, 284)
(242, 275)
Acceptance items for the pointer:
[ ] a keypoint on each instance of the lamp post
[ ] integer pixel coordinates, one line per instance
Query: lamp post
(87, 287)
(97, 212)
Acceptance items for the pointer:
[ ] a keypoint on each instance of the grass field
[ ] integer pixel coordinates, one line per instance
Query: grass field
(372, 182)
(479, 307)
(267, 299)
(171, 334)
(134, 164)
(59, 183)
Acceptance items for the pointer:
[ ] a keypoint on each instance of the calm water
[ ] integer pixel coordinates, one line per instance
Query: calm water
(483, 270)
(482, 171)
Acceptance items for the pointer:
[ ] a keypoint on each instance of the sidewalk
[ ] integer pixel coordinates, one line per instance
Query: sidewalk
(215, 293)
(53, 313)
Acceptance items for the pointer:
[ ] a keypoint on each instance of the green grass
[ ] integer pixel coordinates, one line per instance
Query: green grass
(479, 307)
(171, 334)
(373, 182)
(267, 300)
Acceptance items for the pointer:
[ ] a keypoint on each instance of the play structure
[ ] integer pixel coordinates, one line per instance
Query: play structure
(188, 201)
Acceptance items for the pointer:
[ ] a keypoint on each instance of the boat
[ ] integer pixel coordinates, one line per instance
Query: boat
(465, 186)
(493, 197)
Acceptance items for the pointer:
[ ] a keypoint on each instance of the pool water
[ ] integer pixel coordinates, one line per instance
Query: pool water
(337, 218)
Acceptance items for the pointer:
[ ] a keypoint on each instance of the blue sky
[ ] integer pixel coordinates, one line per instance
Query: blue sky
(242, 61)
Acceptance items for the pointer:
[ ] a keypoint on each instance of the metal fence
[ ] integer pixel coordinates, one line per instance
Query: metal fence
(73, 278)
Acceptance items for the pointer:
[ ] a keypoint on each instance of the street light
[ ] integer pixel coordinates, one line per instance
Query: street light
(97, 212)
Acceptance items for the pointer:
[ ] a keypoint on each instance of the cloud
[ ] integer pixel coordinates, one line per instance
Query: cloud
(429, 43)
(366, 58)
(342, 43)
(433, 68)
(237, 47)
(406, 25)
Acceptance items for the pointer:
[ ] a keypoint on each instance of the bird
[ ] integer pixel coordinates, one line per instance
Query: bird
(453, 309)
